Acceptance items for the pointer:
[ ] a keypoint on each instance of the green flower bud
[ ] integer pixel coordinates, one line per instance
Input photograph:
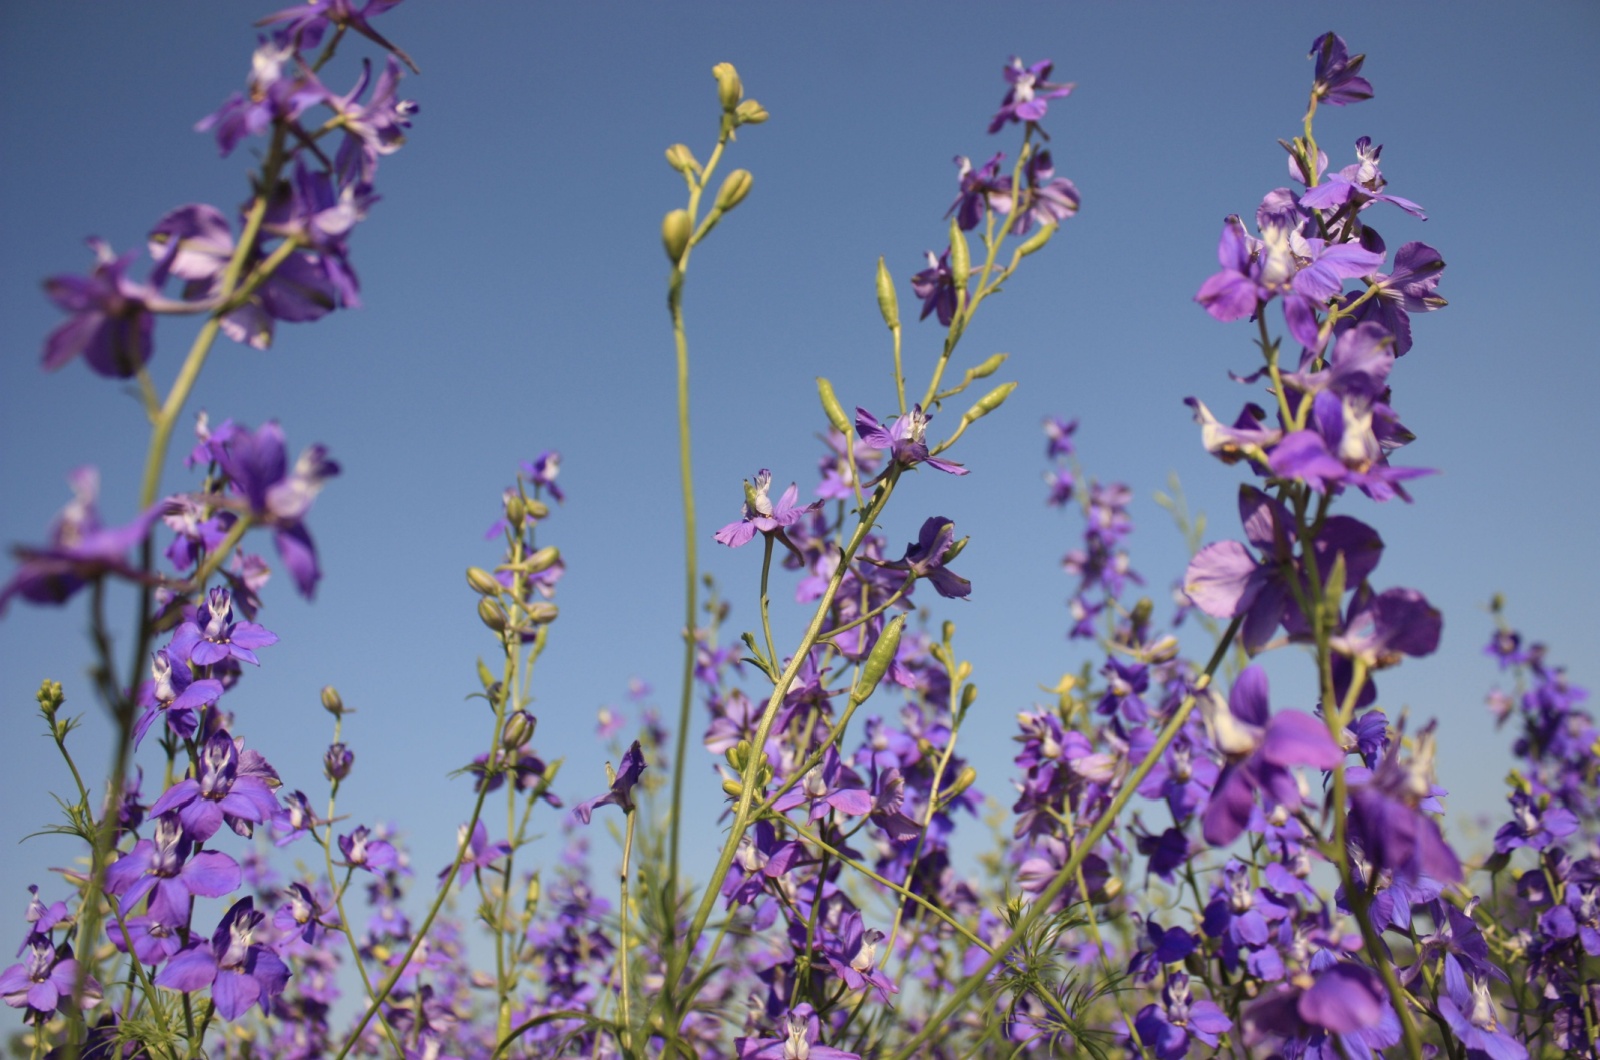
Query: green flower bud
(989, 367)
(516, 510)
(954, 550)
(960, 257)
(730, 90)
(1140, 615)
(888, 301)
(541, 613)
(518, 730)
(1037, 241)
(1107, 891)
(989, 402)
(732, 787)
(831, 406)
(332, 702)
(969, 695)
(879, 658)
(542, 560)
(738, 755)
(675, 232)
(482, 582)
(682, 159)
(50, 698)
(734, 188)
(492, 614)
(750, 113)
(536, 509)
(964, 780)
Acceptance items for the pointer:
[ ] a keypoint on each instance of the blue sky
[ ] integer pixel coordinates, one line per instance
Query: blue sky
(514, 301)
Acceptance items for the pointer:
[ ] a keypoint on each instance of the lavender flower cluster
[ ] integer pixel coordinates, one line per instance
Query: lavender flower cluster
(1280, 886)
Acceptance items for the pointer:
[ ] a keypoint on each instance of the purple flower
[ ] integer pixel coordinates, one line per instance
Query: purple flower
(256, 462)
(1380, 629)
(231, 784)
(1346, 442)
(303, 25)
(162, 864)
(981, 190)
(904, 439)
(1261, 750)
(1470, 1012)
(620, 793)
(1167, 1028)
(1343, 999)
(853, 956)
(80, 549)
(1336, 82)
(1410, 288)
(1388, 823)
(1534, 824)
(302, 914)
(241, 972)
(111, 322)
(375, 128)
(1030, 93)
(936, 286)
(156, 935)
(44, 978)
(361, 851)
(926, 557)
(761, 514)
(480, 854)
(829, 785)
(542, 472)
(212, 635)
(272, 96)
(1357, 186)
(1045, 198)
(800, 1041)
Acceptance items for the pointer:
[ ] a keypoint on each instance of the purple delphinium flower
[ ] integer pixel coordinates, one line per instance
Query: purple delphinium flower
(1030, 93)
(479, 855)
(273, 95)
(1336, 81)
(829, 785)
(361, 851)
(542, 472)
(231, 784)
(1410, 288)
(303, 915)
(935, 285)
(852, 953)
(302, 26)
(904, 439)
(213, 636)
(1261, 748)
(620, 793)
(982, 189)
(1534, 823)
(761, 514)
(241, 972)
(1343, 998)
(154, 936)
(374, 128)
(1388, 823)
(1381, 629)
(801, 1031)
(1167, 1028)
(1470, 1012)
(256, 462)
(926, 556)
(43, 979)
(1044, 198)
(173, 692)
(111, 323)
(80, 549)
(162, 864)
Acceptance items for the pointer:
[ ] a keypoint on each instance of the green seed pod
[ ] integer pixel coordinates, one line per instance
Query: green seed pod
(492, 614)
(989, 367)
(989, 402)
(831, 406)
(536, 509)
(332, 702)
(1140, 614)
(750, 113)
(888, 302)
(1037, 241)
(734, 188)
(482, 582)
(879, 658)
(730, 90)
(676, 229)
(541, 613)
(516, 511)
(542, 560)
(960, 257)
(518, 730)
(682, 159)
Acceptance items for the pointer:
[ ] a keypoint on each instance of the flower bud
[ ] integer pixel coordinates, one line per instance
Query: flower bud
(535, 509)
(831, 406)
(750, 113)
(682, 159)
(732, 787)
(337, 762)
(888, 301)
(492, 614)
(878, 659)
(541, 613)
(954, 550)
(542, 560)
(734, 188)
(50, 698)
(964, 780)
(518, 730)
(1107, 891)
(332, 702)
(1140, 615)
(989, 402)
(482, 582)
(988, 367)
(730, 90)
(675, 231)
(738, 755)
(516, 510)
(1036, 241)
(960, 257)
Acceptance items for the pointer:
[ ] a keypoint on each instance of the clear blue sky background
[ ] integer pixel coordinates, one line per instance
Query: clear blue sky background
(514, 290)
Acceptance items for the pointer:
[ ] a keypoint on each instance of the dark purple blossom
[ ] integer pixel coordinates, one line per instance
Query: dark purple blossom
(904, 439)
(935, 285)
(230, 784)
(1336, 81)
(303, 25)
(982, 189)
(801, 1031)
(852, 953)
(1410, 288)
(111, 323)
(1470, 1012)
(1166, 1029)
(1028, 98)
(43, 979)
(273, 93)
(361, 851)
(926, 557)
(212, 635)
(1044, 199)
(1534, 824)
(1387, 820)
(241, 972)
(623, 781)
(478, 855)
(279, 495)
(162, 864)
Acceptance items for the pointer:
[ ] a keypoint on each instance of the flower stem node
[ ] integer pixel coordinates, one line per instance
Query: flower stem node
(730, 90)
(734, 189)
(675, 231)
(482, 582)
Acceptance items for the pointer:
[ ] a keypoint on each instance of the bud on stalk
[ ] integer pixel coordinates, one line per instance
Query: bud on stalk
(542, 560)
(675, 232)
(734, 188)
(960, 257)
(831, 406)
(878, 659)
(492, 614)
(482, 582)
(730, 90)
(989, 402)
(682, 159)
(888, 302)
(750, 113)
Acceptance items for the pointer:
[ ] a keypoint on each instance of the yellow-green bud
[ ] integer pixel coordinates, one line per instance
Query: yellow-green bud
(964, 780)
(738, 755)
(682, 159)
(1140, 615)
(675, 232)
(332, 702)
(530, 898)
(954, 550)
(536, 509)
(879, 658)
(482, 582)
(734, 188)
(730, 90)
(492, 614)
(1036, 241)
(989, 402)
(732, 787)
(1107, 891)
(542, 560)
(518, 731)
(516, 510)
(1163, 650)
(50, 698)
(831, 406)
(888, 301)
(989, 367)
(969, 695)
(750, 113)
(960, 257)
(541, 612)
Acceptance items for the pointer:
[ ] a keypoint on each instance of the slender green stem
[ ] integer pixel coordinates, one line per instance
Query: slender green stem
(766, 620)
(624, 915)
